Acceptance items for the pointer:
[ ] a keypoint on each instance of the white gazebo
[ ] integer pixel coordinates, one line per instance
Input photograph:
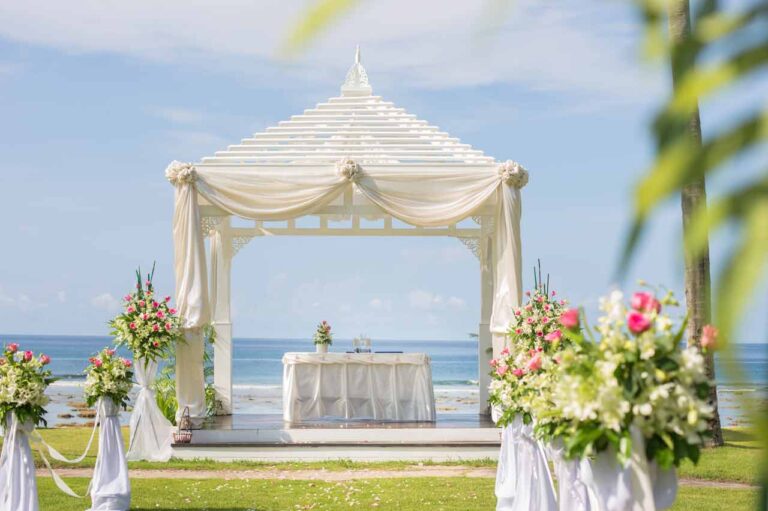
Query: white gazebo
(354, 157)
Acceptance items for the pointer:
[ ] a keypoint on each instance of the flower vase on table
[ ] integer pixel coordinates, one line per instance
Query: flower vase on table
(323, 337)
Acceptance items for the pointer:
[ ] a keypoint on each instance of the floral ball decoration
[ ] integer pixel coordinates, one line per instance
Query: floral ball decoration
(348, 168)
(637, 376)
(513, 174)
(179, 173)
(108, 375)
(148, 325)
(23, 380)
(522, 372)
(323, 333)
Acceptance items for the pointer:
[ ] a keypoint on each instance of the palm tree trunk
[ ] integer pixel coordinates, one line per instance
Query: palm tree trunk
(693, 197)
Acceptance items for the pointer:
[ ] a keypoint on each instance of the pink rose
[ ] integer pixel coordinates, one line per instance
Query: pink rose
(172, 311)
(91, 360)
(518, 372)
(517, 312)
(501, 370)
(167, 299)
(637, 323)
(155, 305)
(528, 308)
(493, 362)
(554, 336)
(505, 351)
(28, 355)
(570, 319)
(127, 298)
(130, 309)
(45, 359)
(518, 331)
(160, 314)
(97, 362)
(145, 316)
(545, 320)
(527, 293)
(534, 364)
(539, 333)
(142, 303)
(553, 293)
(168, 326)
(155, 328)
(155, 344)
(110, 352)
(645, 302)
(132, 326)
(546, 307)
(127, 363)
(709, 337)
(529, 321)
(12, 348)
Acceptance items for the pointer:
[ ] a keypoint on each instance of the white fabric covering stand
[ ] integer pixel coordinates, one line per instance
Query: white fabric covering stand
(523, 481)
(151, 432)
(572, 493)
(110, 487)
(354, 156)
(381, 386)
(613, 487)
(18, 488)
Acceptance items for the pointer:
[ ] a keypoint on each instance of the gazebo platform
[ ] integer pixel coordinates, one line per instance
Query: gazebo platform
(268, 438)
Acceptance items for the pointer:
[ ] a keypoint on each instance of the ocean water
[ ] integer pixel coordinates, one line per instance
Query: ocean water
(257, 367)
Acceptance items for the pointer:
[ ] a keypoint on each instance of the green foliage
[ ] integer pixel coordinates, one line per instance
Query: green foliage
(165, 384)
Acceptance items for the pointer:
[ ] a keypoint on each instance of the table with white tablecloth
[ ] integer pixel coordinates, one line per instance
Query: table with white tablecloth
(376, 386)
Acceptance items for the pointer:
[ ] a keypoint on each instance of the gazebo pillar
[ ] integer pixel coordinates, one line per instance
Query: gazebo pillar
(221, 269)
(484, 339)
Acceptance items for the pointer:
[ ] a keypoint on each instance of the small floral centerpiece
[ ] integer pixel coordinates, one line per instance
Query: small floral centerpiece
(148, 325)
(23, 380)
(108, 376)
(636, 378)
(323, 337)
(522, 372)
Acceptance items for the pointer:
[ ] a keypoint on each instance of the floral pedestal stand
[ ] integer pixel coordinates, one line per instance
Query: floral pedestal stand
(110, 487)
(18, 488)
(151, 432)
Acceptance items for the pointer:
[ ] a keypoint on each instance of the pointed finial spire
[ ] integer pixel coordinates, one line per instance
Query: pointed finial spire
(356, 83)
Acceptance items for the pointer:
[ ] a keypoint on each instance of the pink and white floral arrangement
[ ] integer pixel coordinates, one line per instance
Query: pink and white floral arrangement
(23, 380)
(108, 375)
(148, 325)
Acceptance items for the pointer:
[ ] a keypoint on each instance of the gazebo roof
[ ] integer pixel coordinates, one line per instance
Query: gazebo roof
(356, 125)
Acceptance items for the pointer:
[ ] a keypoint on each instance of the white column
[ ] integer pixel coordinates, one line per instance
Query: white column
(221, 267)
(484, 340)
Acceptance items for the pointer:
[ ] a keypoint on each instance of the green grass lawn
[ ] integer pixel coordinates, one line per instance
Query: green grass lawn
(459, 494)
(737, 461)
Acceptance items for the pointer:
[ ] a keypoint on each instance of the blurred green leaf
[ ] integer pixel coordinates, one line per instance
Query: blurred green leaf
(316, 19)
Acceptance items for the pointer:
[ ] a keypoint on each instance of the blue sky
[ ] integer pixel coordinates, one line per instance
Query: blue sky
(97, 98)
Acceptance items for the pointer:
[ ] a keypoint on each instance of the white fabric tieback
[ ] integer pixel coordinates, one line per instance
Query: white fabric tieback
(179, 173)
(513, 174)
(348, 168)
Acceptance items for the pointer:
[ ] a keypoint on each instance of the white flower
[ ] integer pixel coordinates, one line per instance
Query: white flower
(178, 173)
(513, 174)
(348, 168)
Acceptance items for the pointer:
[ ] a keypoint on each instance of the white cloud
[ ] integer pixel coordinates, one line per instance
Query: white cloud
(179, 115)
(427, 300)
(443, 255)
(379, 304)
(61, 296)
(22, 302)
(586, 48)
(106, 302)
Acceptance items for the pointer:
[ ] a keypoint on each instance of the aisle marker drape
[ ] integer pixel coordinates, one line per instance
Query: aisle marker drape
(421, 196)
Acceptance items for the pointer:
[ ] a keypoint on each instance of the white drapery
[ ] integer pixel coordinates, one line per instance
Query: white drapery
(18, 488)
(381, 386)
(420, 196)
(572, 493)
(523, 481)
(110, 487)
(151, 432)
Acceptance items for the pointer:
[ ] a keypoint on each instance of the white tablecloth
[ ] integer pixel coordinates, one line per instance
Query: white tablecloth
(380, 386)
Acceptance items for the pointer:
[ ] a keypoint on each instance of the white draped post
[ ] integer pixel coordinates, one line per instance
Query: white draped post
(191, 290)
(484, 343)
(221, 268)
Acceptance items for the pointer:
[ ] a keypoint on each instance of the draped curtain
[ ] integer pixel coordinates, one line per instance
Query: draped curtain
(420, 196)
